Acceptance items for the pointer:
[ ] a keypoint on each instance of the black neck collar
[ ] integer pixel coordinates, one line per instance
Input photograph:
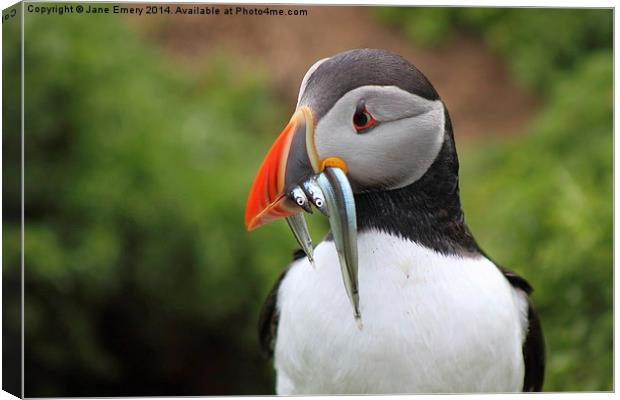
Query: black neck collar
(427, 212)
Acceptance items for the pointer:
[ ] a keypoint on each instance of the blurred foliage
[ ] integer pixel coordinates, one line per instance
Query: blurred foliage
(11, 211)
(541, 204)
(538, 43)
(140, 277)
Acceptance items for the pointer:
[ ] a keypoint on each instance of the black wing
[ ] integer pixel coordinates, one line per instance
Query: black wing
(269, 317)
(534, 354)
(534, 345)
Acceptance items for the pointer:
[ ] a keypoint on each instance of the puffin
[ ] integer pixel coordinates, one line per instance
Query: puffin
(398, 297)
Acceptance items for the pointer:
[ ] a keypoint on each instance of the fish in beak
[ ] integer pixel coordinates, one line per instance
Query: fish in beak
(292, 179)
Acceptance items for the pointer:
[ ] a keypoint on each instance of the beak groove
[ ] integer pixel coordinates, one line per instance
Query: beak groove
(268, 199)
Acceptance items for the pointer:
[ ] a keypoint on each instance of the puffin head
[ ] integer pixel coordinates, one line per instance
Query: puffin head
(370, 144)
(368, 112)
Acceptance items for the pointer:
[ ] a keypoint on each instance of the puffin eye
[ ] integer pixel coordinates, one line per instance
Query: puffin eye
(363, 120)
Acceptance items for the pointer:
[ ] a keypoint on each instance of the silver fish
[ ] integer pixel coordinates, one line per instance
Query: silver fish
(343, 222)
(298, 225)
(299, 197)
(314, 192)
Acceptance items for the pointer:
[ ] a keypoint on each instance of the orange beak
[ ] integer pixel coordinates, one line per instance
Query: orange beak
(290, 160)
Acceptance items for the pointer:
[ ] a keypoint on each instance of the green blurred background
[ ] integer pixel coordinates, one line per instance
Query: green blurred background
(143, 135)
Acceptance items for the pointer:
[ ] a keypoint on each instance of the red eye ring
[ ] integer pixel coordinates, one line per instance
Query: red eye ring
(363, 120)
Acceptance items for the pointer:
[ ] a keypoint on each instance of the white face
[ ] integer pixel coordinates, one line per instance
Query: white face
(397, 150)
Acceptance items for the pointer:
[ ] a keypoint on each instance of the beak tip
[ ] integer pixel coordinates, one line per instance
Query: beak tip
(248, 220)
(252, 220)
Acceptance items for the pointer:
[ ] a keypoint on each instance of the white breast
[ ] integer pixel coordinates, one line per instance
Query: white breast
(431, 323)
